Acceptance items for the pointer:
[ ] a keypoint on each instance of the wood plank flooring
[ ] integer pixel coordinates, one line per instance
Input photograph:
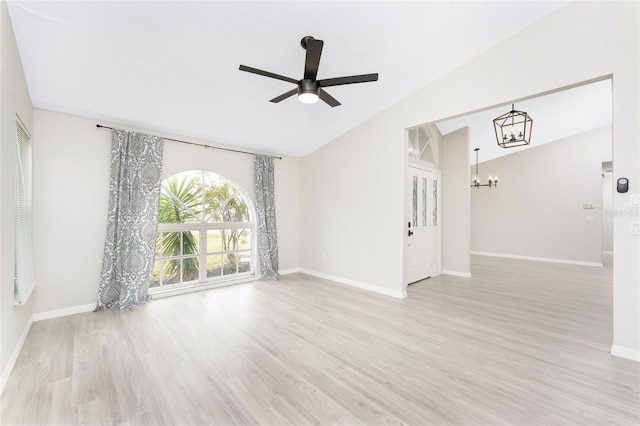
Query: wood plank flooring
(519, 343)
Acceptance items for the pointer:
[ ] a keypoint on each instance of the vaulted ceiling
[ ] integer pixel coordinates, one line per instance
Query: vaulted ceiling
(173, 65)
(555, 116)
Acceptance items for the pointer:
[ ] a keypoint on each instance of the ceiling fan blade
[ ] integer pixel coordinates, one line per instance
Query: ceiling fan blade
(284, 96)
(363, 78)
(267, 74)
(330, 100)
(312, 61)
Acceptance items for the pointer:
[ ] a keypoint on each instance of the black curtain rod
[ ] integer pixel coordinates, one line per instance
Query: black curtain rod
(100, 126)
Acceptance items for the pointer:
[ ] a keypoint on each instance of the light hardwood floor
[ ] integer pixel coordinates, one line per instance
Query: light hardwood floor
(519, 343)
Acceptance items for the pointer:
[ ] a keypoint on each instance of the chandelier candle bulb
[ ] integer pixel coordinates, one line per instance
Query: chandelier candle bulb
(476, 181)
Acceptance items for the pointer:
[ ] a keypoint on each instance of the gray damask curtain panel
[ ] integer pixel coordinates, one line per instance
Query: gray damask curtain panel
(129, 249)
(266, 217)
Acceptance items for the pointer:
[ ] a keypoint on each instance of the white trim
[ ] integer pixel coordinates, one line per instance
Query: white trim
(627, 353)
(353, 283)
(41, 316)
(24, 126)
(6, 373)
(289, 271)
(176, 291)
(538, 259)
(456, 273)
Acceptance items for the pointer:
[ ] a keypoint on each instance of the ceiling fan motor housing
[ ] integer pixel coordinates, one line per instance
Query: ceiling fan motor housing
(308, 91)
(309, 86)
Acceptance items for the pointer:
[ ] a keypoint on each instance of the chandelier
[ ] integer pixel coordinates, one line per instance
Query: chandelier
(513, 128)
(476, 181)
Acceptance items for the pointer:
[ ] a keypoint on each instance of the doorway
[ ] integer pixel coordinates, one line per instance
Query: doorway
(422, 253)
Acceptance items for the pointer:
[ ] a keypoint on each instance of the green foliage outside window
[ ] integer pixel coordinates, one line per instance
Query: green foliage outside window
(195, 197)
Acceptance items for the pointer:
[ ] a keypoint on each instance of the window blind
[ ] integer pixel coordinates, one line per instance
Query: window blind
(24, 276)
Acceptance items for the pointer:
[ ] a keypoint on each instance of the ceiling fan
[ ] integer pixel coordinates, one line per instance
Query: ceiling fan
(309, 89)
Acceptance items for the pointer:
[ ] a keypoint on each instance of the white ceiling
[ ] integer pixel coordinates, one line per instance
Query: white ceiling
(173, 65)
(554, 116)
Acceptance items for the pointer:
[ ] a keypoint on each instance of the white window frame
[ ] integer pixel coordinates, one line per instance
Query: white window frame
(24, 280)
(202, 227)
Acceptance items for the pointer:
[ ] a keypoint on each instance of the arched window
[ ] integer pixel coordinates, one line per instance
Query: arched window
(205, 231)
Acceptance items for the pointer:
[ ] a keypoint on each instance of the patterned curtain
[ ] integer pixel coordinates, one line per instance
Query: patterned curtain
(129, 249)
(266, 220)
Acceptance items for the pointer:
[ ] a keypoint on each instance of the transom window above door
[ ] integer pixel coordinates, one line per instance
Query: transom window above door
(205, 231)
(421, 145)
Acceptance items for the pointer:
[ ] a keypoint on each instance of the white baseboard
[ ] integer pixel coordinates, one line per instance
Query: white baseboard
(457, 273)
(538, 259)
(622, 352)
(63, 312)
(6, 373)
(289, 271)
(353, 283)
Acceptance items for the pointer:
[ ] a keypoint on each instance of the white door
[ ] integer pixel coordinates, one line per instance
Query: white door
(423, 228)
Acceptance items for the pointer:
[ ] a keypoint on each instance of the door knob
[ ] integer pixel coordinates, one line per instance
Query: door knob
(410, 232)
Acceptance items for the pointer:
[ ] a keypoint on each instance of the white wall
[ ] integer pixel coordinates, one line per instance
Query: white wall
(14, 100)
(537, 210)
(352, 204)
(456, 220)
(71, 186)
(350, 201)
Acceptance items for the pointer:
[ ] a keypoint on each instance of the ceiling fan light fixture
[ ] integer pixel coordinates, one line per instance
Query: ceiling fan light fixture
(308, 91)
(308, 97)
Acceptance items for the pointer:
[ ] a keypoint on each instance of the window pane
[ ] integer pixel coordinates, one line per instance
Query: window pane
(190, 242)
(230, 265)
(234, 239)
(214, 241)
(223, 202)
(171, 271)
(214, 266)
(244, 261)
(414, 215)
(190, 269)
(435, 203)
(181, 199)
(244, 239)
(424, 202)
(171, 243)
(413, 149)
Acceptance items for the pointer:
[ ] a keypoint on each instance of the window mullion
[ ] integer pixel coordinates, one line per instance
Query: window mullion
(202, 254)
